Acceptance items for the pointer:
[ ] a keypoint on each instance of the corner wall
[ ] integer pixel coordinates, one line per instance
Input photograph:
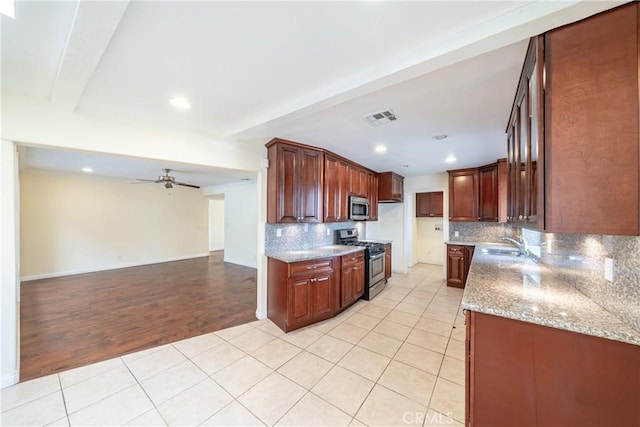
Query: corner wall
(9, 267)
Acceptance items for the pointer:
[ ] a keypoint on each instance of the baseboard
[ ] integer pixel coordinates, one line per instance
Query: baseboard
(112, 267)
(429, 261)
(9, 379)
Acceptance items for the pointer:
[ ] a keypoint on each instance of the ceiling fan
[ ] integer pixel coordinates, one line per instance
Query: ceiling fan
(168, 180)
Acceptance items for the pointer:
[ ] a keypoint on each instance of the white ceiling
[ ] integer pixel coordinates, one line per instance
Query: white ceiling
(307, 71)
(37, 159)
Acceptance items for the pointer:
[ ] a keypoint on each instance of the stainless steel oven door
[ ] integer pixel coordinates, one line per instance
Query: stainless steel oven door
(376, 269)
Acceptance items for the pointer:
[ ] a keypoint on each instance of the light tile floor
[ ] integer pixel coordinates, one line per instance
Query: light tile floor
(394, 361)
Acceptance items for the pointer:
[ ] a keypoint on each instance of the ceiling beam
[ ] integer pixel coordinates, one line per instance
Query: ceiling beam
(93, 26)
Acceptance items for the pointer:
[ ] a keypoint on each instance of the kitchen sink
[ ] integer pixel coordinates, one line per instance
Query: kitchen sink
(504, 251)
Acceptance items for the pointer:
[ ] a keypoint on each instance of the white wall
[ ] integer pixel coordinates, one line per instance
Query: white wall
(9, 266)
(78, 223)
(216, 224)
(390, 226)
(240, 221)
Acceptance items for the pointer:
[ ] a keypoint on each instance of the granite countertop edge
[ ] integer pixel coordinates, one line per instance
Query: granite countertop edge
(506, 286)
(314, 253)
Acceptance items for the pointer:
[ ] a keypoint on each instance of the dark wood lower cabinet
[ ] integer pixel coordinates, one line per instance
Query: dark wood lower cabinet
(306, 292)
(352, 279)
(522, 374)
(458, 264)
(387, 260)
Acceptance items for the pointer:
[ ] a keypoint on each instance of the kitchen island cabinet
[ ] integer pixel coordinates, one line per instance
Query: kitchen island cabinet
(521, 374)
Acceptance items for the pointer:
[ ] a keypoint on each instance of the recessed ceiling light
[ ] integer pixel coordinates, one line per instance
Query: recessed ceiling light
(440, 137)
(450, 159)
(87, 169)
(404, 166)
(180, 103)
(380, 149)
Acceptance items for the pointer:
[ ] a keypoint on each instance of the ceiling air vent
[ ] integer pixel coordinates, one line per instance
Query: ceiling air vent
(377, 119)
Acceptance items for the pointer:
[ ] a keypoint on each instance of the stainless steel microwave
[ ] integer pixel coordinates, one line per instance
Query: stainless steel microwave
(358, 208)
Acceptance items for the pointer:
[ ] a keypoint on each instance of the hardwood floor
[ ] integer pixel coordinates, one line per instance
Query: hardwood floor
(73, 321)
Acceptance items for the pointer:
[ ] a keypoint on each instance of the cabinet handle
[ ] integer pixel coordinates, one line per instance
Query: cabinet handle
(311, 267)
(356, 268)
(321, 280)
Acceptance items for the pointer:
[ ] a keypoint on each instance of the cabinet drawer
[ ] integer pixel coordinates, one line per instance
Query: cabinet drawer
(455, 249)
(311, 267)
(352, 259)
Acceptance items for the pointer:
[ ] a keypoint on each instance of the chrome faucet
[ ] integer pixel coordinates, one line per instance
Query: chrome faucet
(522, 245)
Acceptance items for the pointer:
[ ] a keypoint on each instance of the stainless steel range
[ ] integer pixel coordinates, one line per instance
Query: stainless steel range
(374, 253)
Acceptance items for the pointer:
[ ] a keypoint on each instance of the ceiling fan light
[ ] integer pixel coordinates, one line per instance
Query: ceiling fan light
(168, 185)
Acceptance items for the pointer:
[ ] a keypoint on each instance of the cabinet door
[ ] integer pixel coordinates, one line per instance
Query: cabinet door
(455, 266)
(390, 187)
(429, 204)
(488, 191)
(288, 209)
(300, 303)
(357, 181)
(358, 279)
(463, 195)
(336, 190)
(387, 261)
(322, 296)
(310, 184)
(347, 286)
(332, 190)
(397, 188)
(373, 197)
(423, 204)
(437, 204)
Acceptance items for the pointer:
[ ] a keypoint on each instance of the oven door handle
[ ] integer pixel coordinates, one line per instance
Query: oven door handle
(380, 255)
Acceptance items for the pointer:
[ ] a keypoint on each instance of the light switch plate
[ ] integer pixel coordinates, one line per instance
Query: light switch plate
(278, 232)
(328, 232)
(608, 269)
(456, 234)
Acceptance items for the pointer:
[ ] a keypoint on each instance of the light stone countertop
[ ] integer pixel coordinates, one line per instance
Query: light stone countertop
(315, 253)
(519, 288)
(384, 242)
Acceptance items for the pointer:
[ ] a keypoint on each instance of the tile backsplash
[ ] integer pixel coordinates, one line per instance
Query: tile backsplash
(295, 237)
(479, 231)
(577, 259)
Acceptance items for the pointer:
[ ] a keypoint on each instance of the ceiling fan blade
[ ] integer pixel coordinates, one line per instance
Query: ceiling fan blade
(184, 184)
(146, 180)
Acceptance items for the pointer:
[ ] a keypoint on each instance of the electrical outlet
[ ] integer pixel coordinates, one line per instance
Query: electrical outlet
(456, 234)
(306, 228)
(278, 232)
(328, 232)
(438, 228)
(608, 269)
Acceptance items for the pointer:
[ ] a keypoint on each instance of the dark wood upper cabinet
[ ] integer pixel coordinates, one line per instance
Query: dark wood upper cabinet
(373, 196)
(336, 189)
(429, 204)
(295, 183)
(525, 142)
(591, 125)
(358, 182)
(390, 187)
(488, 193)
(463, 195)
